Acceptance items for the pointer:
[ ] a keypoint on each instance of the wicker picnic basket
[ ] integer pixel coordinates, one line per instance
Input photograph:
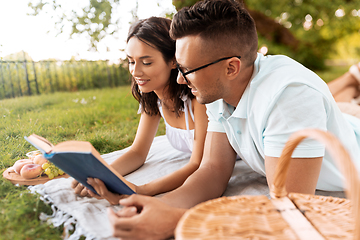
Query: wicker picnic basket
(293, 216)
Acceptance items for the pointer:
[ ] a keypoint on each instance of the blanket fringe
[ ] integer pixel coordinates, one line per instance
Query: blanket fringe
(59, 217)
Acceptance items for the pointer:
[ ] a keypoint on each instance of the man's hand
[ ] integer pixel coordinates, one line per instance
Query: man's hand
(144, 217)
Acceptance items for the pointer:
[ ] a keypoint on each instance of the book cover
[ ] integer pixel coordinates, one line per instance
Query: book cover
(80, 160)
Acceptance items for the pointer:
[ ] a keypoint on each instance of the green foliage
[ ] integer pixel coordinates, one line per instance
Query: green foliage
(99, 14)
(52, 76)
(183, 3)
(331, 72)
(19, 55)
(94, 19)
(318, 24)
(324, 27)
(347, 48)
(319, 40)
(107, 118)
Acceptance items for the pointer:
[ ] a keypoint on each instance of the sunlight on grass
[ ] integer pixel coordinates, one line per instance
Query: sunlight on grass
(107, 118)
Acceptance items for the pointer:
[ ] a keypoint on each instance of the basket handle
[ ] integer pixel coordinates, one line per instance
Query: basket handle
(339, 154)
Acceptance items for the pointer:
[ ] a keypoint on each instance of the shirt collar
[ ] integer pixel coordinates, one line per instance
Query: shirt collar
(225, 110)
(241, 108)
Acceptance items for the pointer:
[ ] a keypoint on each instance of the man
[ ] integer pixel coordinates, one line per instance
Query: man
(254, 103)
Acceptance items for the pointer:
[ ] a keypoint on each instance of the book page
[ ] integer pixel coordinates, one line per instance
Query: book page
(40, 143)
(73, 146)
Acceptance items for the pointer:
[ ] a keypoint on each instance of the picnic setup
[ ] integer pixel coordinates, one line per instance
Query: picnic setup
(203, 120)
(248, 208)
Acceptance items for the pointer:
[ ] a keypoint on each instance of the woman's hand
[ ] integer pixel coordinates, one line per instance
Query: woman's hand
(103, 192)
(79, 189)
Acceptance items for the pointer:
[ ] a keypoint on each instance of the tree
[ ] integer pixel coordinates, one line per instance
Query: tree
(94, 19)
(306, 30)
(17, 56)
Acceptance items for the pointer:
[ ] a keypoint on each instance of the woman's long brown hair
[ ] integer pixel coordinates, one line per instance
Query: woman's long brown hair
(154, 32)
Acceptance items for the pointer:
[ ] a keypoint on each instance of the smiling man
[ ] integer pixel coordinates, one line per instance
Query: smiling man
(254, 103)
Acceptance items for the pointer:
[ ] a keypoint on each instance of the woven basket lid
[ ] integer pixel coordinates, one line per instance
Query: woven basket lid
(243, 217)
(332, 217)
(257, 217)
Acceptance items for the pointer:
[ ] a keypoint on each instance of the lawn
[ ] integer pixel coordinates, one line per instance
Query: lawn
(107, 118)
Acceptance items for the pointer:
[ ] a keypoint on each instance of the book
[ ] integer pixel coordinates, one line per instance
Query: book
(81, 160)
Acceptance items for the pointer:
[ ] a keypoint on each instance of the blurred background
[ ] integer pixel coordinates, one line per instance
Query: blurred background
(66, 45)
(65, 29)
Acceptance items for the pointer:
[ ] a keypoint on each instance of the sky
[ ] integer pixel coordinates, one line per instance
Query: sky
(21, 32)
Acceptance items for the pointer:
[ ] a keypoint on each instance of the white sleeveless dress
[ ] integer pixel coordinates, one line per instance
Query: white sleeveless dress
(181, 139)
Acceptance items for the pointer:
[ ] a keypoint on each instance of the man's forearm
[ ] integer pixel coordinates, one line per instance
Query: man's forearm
(211, 178)
(202, 185)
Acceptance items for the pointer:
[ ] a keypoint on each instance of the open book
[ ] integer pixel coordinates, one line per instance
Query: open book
(80, 160)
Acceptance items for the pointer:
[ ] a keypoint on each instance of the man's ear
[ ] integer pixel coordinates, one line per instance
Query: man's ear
(233, 68)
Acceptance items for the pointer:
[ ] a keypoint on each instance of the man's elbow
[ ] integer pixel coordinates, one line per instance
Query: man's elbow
(219, 180)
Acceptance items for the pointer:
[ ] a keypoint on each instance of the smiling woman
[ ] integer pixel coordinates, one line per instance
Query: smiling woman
(151, 55)
(148, 68)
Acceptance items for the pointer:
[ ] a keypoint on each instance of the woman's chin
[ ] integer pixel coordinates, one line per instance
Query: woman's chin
(145, 89)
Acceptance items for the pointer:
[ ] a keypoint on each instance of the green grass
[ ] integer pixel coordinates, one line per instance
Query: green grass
(108, 120)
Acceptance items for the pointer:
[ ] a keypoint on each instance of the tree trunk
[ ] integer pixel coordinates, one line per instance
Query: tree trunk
(273, 31)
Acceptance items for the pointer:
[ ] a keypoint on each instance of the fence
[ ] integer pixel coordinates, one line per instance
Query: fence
(19, 78)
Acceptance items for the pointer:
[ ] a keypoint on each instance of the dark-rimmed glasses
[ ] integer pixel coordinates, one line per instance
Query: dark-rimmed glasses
(204, 66)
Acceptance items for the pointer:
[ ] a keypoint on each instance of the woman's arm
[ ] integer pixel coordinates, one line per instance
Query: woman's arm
(177, 178)
(137, 153)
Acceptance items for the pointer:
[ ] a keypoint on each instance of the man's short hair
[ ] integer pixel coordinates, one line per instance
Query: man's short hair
(226, 24)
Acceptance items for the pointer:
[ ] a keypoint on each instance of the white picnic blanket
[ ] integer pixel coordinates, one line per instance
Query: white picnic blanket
(88, 216)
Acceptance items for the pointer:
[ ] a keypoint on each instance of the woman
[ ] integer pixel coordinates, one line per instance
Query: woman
(152, 64)
(346, 91)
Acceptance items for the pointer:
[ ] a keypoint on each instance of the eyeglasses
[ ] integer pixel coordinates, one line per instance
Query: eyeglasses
(204, 66)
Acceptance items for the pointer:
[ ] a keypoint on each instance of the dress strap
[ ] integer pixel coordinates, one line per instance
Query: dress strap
(161, 112)
(187, 110)
(190, 110)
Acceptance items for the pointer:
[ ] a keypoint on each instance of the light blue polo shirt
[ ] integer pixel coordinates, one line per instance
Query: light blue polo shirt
(283, 97)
